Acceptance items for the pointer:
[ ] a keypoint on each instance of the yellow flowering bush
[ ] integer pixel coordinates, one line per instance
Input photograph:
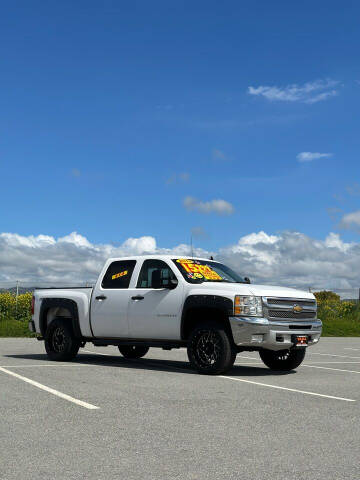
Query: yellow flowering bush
(15, 308)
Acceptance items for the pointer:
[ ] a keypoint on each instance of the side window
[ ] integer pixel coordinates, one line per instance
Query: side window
(118, 274)
(147, 275)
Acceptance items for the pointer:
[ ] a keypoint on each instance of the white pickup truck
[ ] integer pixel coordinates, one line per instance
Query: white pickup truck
(162, 301)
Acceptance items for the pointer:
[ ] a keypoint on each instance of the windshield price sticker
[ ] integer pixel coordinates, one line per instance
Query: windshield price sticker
(118, 275)
(202, 270)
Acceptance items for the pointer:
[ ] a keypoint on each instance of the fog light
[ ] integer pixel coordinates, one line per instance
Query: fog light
(257, 338)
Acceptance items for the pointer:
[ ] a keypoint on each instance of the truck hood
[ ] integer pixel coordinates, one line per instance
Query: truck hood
(274, 291)
(250, 289)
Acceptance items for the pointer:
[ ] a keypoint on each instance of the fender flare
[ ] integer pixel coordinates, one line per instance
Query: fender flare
(212, 302)
(70, 305)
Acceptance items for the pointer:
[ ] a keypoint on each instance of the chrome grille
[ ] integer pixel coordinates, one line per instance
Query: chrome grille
(283, 309)
(287, 314)
(281, 301)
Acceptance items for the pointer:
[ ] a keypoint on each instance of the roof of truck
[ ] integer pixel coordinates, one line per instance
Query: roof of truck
(158, 256)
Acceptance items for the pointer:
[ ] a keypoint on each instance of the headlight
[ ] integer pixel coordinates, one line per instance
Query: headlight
(248, 305)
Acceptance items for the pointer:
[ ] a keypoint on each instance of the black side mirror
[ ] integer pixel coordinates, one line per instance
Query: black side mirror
(247, 280)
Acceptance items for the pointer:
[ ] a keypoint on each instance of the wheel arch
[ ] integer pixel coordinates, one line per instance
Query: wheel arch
(59, 307)
(200, 307)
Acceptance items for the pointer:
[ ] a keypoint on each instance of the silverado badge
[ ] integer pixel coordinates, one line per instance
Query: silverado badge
(297, 308)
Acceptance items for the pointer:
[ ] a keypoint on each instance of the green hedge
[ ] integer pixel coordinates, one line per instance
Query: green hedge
(15, 314)
(340, 319)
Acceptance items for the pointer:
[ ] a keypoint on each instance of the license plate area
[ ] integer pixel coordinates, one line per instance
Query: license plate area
(300, 340)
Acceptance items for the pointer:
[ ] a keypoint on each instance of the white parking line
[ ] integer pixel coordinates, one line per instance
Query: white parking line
(47, 365)
(326, 363)
(348, 348)
(329, 368)
(98, 353)
(332, 355)
(50, 390)
(249, 363)
(288, 389)
(330, 363)
(252, 382)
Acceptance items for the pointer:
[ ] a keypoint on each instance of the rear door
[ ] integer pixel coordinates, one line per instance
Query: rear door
(110, 299)
(155, 313)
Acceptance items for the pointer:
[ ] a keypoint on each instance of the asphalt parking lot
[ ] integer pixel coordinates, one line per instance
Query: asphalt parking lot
(104, 417)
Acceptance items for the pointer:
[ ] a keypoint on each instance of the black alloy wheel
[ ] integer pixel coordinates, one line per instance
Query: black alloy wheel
(60, 342)
(283, 360)
(210, 350)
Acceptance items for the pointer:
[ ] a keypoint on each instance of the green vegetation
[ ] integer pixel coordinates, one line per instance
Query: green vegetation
(14, 328)
(340, 319)
(15, 315)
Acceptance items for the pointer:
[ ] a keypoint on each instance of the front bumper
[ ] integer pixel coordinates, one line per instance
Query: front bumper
(259, 332)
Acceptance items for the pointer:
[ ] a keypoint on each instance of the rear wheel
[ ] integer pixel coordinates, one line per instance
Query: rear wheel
(284, 360)
(210, 350)
(133, 351)
(60, 342)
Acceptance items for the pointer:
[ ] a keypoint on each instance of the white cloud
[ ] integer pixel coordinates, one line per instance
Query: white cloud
(75, 239)
(310, 156)
(288, 258)
(310, 92)
(218, 206)
(321, 96)
(351, 220)
(140, 245)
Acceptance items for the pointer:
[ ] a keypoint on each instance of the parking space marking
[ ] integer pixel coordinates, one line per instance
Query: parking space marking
(50, 390)
(288, 389)
(330, 363)
(348, 348)
(332, 397)
(98, 353)
(47, 365)
(332, 355)
(329, 368)
(249, 363)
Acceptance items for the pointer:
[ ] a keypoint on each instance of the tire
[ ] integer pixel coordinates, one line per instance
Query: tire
(133, 351)
(210, 349)
(284, 360)
(60, 342)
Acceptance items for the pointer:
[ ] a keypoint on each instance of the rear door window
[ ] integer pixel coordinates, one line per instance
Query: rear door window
(118, 275)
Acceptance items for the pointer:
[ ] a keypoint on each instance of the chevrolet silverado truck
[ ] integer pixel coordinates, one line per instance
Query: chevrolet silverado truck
(162, 301)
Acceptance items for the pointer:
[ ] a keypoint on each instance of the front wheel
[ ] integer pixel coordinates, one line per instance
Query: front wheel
(60, 342)
(210, 350)
(133, 351)
(284, 360)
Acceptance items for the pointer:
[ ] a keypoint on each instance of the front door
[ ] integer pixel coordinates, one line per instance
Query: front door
(110, 300)
(155, 312)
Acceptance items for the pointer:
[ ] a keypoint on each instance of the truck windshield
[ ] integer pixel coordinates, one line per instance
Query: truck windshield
(198, 271)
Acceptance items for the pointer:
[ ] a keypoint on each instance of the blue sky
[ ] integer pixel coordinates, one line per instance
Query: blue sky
(113, 114)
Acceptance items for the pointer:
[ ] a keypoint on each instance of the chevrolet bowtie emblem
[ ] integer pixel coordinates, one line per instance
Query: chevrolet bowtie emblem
(297, 309)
